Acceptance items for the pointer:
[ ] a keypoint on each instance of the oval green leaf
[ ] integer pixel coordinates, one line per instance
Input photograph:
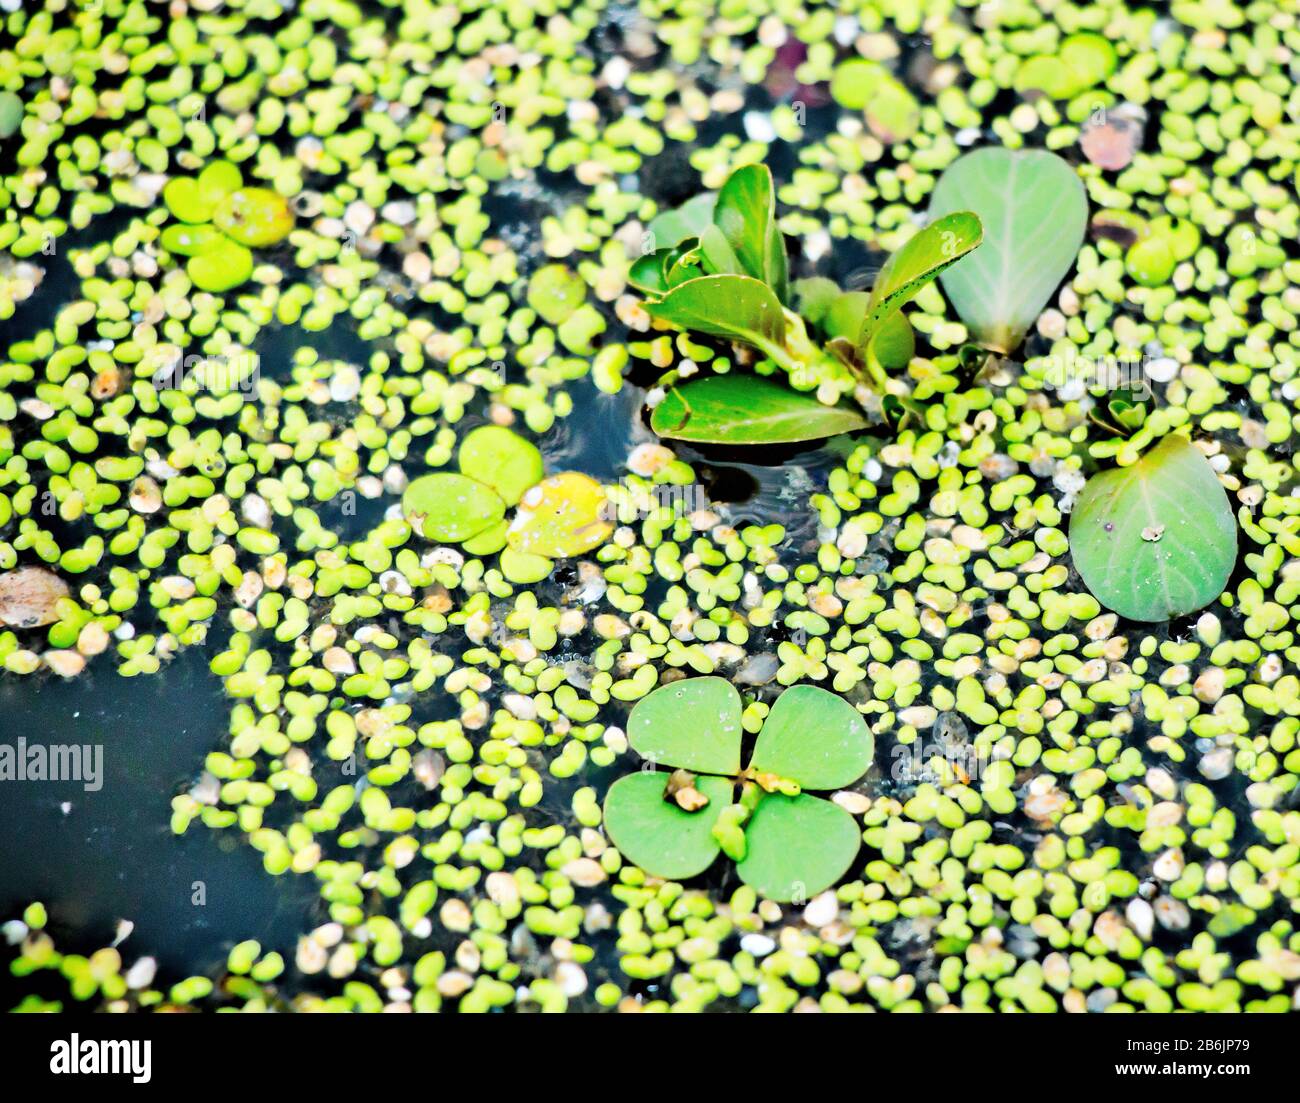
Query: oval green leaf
(501, 459)
(923, 256)
(222, 266)
(656, 834)
(748, 409)
(797, 847)
(814, 737)
(560, 517)
(1035, 210)
(671, 228)
(1157, 539)
(455, 507)
(737, 308)
(256, 217)
(691, 724)
(746, 215)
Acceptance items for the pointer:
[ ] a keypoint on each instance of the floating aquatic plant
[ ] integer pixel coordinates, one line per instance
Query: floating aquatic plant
(785, 842)
(726, 276)
(222, 222)
(1156, 539)
(1034, 210)
(557, 517)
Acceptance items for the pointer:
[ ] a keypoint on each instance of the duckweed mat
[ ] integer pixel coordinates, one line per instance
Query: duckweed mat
(337, 545)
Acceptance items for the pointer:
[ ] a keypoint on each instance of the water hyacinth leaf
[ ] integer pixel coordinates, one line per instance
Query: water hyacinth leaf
(797, 846)
(814, 297)
(655, 833)
(648, 274)
(671, 228)
(691, 724)
(685, 264)
(746, 216)
(748, 409)
(1035, 211)
(718, 256)
(562, 516)
(455, 507)
(555, 291)
(814, 737)
(923, 257)
(1156, 539)
(501, 459)
(737, 308)
(222, 266)
(845, 315)
(894, 343)
(256, 217)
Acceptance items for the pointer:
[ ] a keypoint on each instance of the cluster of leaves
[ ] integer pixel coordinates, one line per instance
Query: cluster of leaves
(722, 271)
(786, 843)
(557, 517)
(221, 223)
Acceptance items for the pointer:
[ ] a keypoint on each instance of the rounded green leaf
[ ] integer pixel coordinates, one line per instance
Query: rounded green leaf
(255, 217)
(691, 724)
(737, 308)
(524, 569)
(655, 833)
(222, 266)
(1034, 210)
(11, 113)
(217, 181)
(501, 459)
(490, 541)
(560, 517)
(455, 507)
(190, 239)
(797, 847)
(748, 409)
(671, 228)
(556, 291)
(185, 201)
(1157, 539)
(814, 737)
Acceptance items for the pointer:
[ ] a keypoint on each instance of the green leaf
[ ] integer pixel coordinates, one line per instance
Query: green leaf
(655, 833)
(218, 180)
(222, 266)
(864, 85)
(183, 198)
(502, 460)
(562, 516)
(814, 297)
(814, 737)
(11, 114)
(718, 256)
(746, 215)
(191, 239)
(894, 343)
(684, 264)
(455, 507)
(256, 217)
(648, 275)
(735, 307)
(524, 569)
(555, 291)
(1157, 539)
(691, 724)
(797, 847)
(1035, 210)
(748, 409)
(671, 228)
(942, 243)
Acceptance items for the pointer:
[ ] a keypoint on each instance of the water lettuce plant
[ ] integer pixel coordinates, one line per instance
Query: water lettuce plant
(1156, 539)
(221, 223)
(724, 274)
(786, 843)
(1034, 210)
(557, 517)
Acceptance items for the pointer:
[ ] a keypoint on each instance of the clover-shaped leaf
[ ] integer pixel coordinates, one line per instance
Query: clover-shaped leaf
(792, 845)
(655, 833)
(693, 724)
